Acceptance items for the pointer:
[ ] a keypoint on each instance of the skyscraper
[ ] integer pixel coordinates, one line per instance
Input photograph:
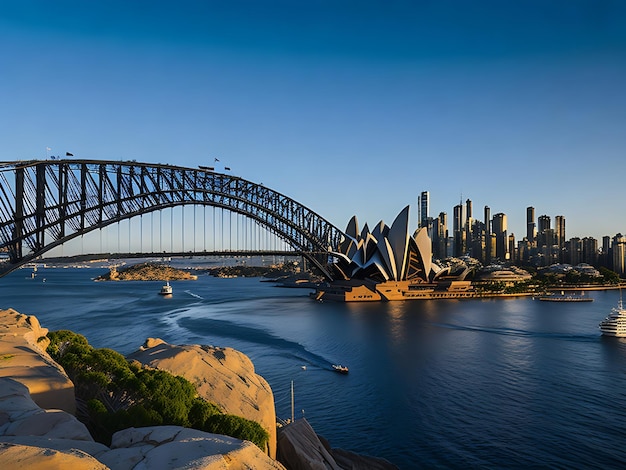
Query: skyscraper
(544, 223)
(619, 253)
(459, 231)
(499, 225)
(559, 234)
(440, 236)
(468, 225)
(542, 232)
(530, 225)
(559, 230)
(423, 204)
(487, 234)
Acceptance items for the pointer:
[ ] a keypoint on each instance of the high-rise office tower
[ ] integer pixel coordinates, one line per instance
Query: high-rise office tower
(459, 231)
(559, 230)
(440, 236)
(543, 227)
(499, 227)
(487, 234)
(559, 235)
(619, 254)
(575, 251)
(511, 248)
(590, 251)
(468, 225)
(607, 260)
(530, 224)
(423, 204)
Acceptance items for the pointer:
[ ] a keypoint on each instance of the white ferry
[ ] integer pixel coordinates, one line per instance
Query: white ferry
(615, 323)
(166, 289)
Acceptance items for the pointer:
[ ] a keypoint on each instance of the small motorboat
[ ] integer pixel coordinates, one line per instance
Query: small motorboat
(166, 289)
(341, 369)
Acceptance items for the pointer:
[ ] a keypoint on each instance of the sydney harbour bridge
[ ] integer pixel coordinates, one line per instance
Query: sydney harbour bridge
(46, 203)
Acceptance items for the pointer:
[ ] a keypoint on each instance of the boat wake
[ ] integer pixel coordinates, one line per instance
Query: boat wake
(521, 333)
(227, 329)
(194, 295)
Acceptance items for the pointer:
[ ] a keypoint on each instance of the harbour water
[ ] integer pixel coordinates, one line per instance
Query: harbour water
(513, 383)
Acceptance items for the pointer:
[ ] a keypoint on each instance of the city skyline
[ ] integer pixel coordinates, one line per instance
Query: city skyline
(510, 105)
(556, 221)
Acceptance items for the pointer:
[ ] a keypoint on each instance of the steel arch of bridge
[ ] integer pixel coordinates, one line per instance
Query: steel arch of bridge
(45, 203)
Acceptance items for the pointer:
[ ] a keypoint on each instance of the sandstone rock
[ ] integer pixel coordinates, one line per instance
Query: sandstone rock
(37, 458)
(223, 376)
(35, 438)
(174, 447)
(23, 357)
(299, 448)
(21, 416)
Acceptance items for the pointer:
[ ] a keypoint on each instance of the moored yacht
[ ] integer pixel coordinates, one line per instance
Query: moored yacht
(615, 323)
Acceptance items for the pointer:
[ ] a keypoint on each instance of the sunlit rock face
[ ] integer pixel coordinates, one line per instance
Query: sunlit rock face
(386, 253)
(222, 376)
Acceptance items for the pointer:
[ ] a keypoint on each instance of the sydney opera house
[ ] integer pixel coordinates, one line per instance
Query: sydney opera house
(387, 263)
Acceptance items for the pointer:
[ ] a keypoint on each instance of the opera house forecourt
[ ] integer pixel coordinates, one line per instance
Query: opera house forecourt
(387, 263)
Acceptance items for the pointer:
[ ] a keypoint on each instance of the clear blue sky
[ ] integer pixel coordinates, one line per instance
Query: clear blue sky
(350, 107)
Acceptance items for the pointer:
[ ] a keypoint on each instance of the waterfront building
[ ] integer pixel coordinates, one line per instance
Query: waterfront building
(386, 253)
(389, 264)
(498, 273)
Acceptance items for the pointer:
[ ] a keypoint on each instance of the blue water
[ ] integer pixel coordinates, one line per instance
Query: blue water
(433, 384)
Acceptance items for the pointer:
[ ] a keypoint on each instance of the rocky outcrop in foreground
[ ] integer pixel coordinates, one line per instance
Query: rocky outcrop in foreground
(299, 448)
(35, 437)
(23, 355)
(223, 376)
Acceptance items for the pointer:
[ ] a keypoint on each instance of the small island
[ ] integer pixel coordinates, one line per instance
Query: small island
(147, 272)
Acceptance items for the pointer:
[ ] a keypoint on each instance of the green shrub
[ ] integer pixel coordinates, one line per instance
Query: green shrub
(236, 426)
(120, 394)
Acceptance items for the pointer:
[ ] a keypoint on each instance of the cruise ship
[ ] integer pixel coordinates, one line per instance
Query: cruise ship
(615, 323)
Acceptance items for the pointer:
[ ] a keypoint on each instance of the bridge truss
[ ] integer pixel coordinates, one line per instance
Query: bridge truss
(45, 203)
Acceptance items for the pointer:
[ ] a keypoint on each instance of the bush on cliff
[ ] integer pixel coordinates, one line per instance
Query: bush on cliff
(119, 394)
